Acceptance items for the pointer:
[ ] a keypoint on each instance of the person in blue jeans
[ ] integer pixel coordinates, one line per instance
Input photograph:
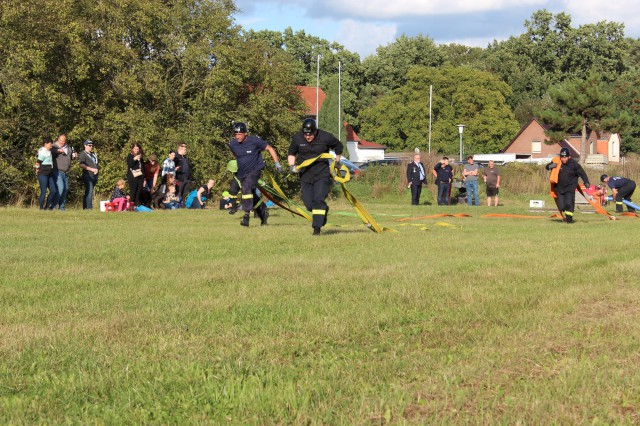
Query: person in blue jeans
(470, 174)
(90, 168)
(443, 173)
(44, 171)
(62, 156)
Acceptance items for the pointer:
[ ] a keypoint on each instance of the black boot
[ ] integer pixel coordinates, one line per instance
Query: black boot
(234, 209)
(245, 220)
(263, 219)
(569, 219)
(316, 231)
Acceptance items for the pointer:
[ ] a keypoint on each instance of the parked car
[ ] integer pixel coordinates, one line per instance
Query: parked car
(353, 169)
(386, 162)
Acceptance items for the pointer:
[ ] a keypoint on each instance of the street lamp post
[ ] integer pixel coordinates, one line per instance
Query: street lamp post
(460, 130)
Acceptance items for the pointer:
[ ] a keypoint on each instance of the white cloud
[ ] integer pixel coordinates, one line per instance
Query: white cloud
(364, 38)
(592, 11)
(391, 9)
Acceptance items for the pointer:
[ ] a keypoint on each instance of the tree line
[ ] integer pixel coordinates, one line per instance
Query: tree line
(159, 73)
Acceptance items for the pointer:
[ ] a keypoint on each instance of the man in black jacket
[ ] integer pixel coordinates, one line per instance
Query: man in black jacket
(570, 170)
(315, 180)
(416, 176)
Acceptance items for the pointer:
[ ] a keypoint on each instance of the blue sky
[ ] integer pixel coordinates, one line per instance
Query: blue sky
(363, 25)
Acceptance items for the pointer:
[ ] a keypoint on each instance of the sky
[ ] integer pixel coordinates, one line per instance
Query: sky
(363, 25)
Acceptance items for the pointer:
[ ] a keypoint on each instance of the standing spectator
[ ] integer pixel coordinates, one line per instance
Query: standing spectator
(315, 180)
(44, 171)
(62, 156)
(169, 165)
(470, 174)
(622, 188)
(135, 172)
(491, 176)
(183, 171)
(248, 152)
(443, 173)
(118, 196)
(151, 172)
(565, 181)
(90, 168)
(416, 176)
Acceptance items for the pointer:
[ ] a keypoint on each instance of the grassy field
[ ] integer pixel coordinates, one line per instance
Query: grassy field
(186, 317)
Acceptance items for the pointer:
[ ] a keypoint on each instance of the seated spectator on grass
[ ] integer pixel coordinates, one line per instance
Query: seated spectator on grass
(226, 202)
(198, 198)
(171, 199)
(158, 196)
(118, 197)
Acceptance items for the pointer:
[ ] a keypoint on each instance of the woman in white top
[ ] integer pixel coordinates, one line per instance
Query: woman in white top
(44, 171)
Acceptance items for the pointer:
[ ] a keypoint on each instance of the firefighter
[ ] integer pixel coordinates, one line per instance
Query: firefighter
(234, 187)
(622, 188)
(248, 153)
(567, 183)
(315, 180)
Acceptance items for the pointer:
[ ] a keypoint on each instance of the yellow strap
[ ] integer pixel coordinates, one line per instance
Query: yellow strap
(280, 192)
(318, 211)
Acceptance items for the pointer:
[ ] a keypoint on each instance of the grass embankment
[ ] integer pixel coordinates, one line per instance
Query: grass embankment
(186, 317)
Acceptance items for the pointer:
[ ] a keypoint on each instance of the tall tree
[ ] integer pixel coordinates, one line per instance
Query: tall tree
(471, 97)
(582, 106)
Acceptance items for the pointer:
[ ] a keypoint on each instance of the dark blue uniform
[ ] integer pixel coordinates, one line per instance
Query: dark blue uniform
(250, 164)
(625, 188)
(315, 180)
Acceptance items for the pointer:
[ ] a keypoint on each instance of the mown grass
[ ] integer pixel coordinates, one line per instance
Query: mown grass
(186, 317)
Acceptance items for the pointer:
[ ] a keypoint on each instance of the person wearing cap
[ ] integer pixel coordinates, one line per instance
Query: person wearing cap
(567, 182)
(89, 165)
(622, 188)
(151, 172)
(226, 202)
(44, 172)
(315, 180)
(247, 151)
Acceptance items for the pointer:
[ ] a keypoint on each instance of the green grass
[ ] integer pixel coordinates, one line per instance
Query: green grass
(186, 317)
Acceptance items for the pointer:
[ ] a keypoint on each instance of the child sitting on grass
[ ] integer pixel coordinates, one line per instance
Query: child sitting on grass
(171, 199)
(118, 197)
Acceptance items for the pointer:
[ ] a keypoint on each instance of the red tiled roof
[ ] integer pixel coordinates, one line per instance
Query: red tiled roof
(362, 144)
(308, 95)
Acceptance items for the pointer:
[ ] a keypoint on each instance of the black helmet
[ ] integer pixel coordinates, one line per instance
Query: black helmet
(603, 177)
(564, 152)
(239, 128)
(309, 126)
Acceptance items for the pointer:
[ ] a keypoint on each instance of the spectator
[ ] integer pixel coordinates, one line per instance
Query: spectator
(443, 173)
(470, 174)
(62, 156)
(416, 177)
(183, 171)
(171, 199)
(491, 176)
(198, 198)
(90, 168)
(135, 172)
(118, 196)
(226, 202)
(151, 172)
(44, 172)
(169, 165)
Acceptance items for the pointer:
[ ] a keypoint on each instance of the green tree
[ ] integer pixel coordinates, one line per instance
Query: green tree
(582, 105)
(471, 97)
(121, 72)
